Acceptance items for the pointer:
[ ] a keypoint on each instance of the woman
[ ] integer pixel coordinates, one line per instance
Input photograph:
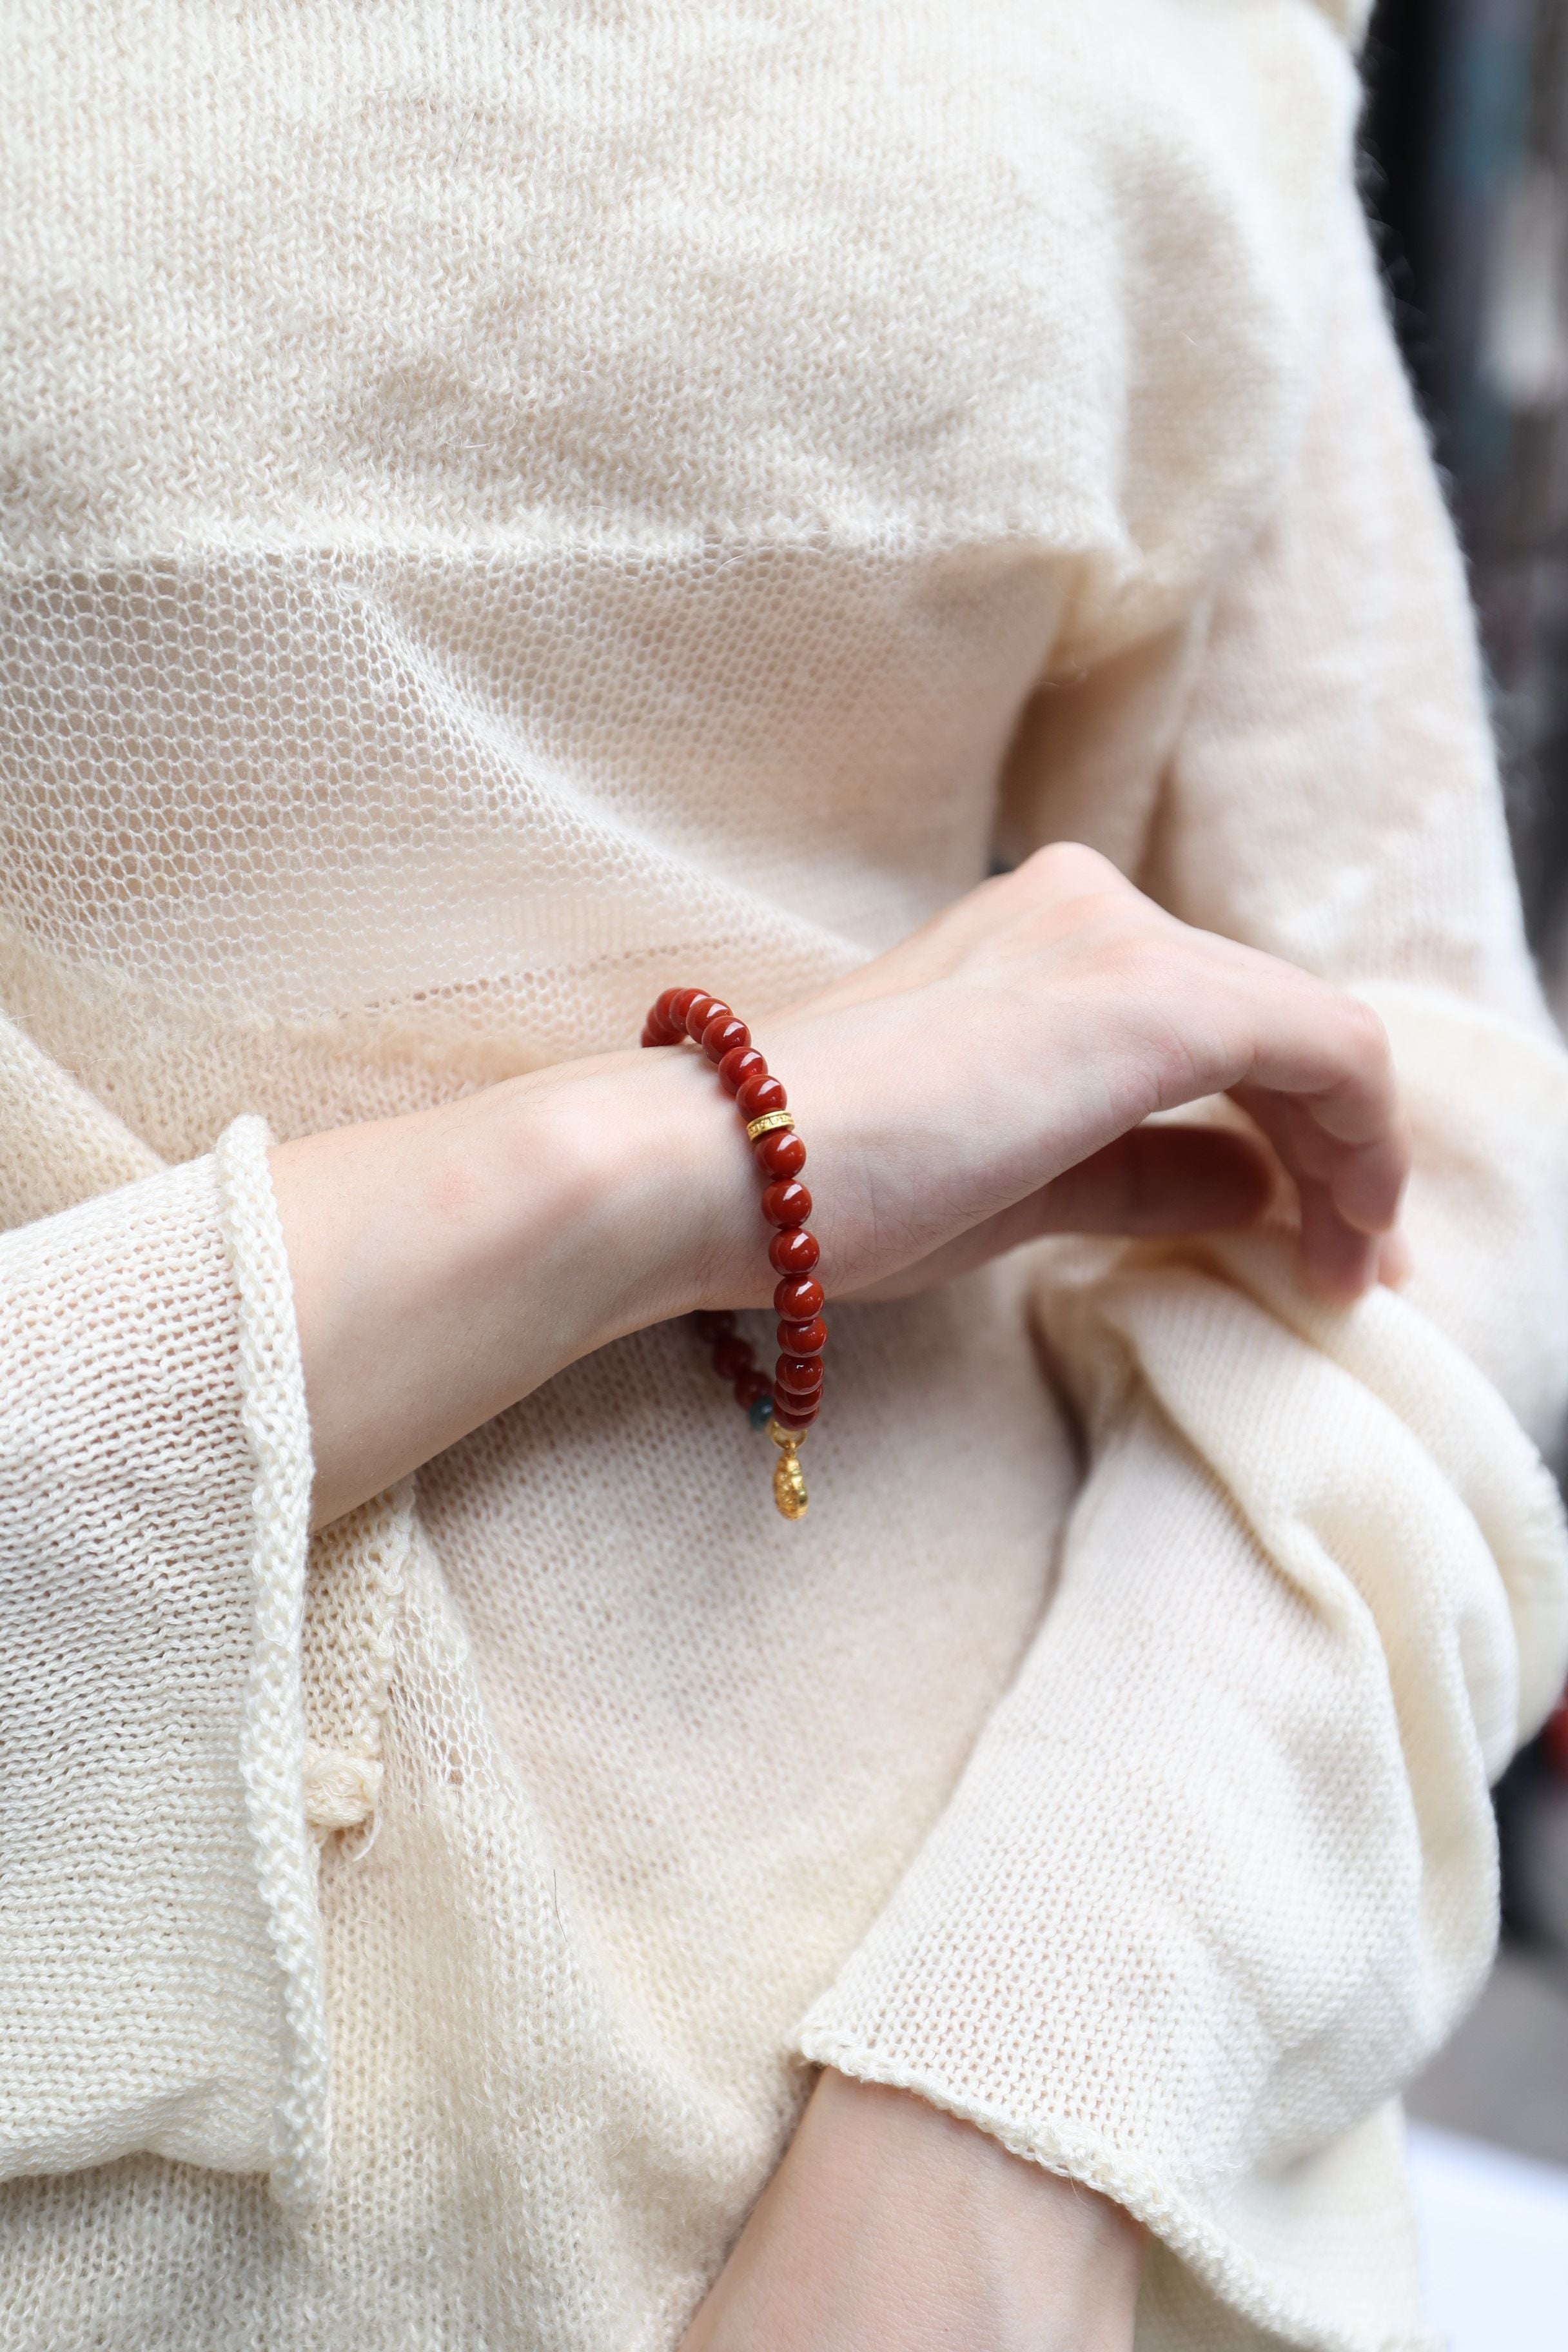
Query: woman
(510, 514)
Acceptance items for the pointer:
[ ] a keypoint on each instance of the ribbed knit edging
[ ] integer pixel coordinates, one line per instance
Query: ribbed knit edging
(1226, 2269)
(272, 1761)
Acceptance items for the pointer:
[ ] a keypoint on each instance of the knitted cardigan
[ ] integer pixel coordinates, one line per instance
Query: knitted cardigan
(507, 508)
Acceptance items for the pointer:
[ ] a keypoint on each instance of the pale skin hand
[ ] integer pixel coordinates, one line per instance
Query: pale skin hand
(981, 1083)
(890, 2227)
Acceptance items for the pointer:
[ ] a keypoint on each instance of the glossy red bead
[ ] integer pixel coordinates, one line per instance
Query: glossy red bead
(794, 1251)
(789, 1414)
(780, 1152)
(724, 1034)
(787, 1204)
(798, 1296)
(738, 1066)
(661, 1016)
(732, 1358)
(699, 1012)
(749, 1387)
(679, 999)
(713, 1323)
(799, 1374)
(758, 1093)
(804, 1338)
(651, 1036)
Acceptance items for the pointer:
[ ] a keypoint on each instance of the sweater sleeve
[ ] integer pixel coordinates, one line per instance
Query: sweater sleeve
(160, 1983)
(1220, 1874)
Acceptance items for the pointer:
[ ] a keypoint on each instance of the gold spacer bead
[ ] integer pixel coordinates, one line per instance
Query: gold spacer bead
(766, 1124)
(781, 1437)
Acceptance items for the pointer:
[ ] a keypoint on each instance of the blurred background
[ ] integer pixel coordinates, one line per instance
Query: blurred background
(1465, 168)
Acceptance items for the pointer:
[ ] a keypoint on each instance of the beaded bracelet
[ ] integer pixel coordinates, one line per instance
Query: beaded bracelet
(786, 1405)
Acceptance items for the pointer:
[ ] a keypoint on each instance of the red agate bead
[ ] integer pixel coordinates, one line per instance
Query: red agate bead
(798, 1295)
(699, 1012)
(787, 1204)
(803, 1339)
(732, 1358)
(794, 1251)
(791, 1415)
(759, 1093)
(780, 1152)
(800, 1376)
(724, 1034)
(743, 1062)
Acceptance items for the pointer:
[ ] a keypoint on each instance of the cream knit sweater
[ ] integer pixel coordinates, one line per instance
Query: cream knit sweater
(506, 507)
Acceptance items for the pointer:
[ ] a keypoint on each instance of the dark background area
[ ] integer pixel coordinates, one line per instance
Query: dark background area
(1465, 174)
(1465, 171)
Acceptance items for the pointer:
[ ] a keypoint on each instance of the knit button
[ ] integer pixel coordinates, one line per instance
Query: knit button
(794, 1251)
(799, 1297)
(788, 1204)
(804, 1338)
(781, 1153)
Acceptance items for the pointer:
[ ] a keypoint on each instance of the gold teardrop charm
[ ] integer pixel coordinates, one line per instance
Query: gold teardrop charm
(789, 1479)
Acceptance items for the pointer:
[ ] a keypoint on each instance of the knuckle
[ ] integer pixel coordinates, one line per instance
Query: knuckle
(1070, 868)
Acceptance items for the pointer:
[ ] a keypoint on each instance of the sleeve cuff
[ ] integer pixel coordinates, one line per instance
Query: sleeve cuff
(162, 1990)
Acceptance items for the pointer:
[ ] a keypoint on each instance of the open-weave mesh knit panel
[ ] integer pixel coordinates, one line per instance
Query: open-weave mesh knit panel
(472, 810)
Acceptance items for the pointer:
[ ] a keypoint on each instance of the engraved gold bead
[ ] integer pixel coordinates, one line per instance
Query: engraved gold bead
(766, 1124)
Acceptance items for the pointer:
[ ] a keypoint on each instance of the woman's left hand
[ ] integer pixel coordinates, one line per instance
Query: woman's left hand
(890, 2227)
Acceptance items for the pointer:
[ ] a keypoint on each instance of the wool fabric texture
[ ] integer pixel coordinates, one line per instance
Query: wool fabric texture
(506, 508)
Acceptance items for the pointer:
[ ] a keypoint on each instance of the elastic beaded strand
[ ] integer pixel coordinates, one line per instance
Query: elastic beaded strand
(788, 1404)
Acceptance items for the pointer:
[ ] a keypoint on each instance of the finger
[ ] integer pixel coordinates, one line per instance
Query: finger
(1159, 1180)
(1154, 1181)
(1329, 1053)
(1337, 1261)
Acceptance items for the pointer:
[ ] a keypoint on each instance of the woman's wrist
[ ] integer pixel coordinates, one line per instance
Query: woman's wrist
(447, 1263)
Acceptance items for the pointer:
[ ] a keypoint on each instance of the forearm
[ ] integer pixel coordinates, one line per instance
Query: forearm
(892, 2224)
(446, 1264)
